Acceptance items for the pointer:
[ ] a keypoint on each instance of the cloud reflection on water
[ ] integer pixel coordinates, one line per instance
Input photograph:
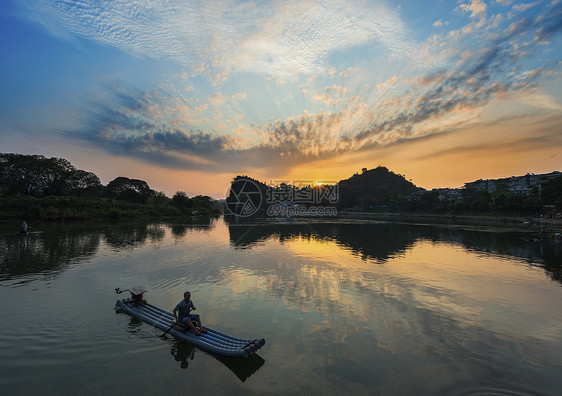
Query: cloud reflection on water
(346, 306)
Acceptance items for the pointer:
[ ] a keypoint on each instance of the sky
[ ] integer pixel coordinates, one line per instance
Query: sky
(188, 94)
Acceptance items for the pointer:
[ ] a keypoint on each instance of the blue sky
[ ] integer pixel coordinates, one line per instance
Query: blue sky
(186, 95)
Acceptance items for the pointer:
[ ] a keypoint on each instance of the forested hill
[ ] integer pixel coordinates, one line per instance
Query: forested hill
(370, 189)
(375, 187)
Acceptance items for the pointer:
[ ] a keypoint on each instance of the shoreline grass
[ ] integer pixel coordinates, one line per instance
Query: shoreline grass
(54, 208)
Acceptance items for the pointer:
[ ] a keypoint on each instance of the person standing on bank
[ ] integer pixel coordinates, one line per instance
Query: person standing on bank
(183, 315)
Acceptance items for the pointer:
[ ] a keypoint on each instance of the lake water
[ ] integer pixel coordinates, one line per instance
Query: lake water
(346, 307)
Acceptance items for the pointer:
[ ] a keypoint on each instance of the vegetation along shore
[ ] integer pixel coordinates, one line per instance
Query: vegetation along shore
(381, 191)
(33, 187)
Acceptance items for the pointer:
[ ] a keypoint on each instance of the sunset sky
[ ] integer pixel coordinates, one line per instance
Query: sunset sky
(188, 94)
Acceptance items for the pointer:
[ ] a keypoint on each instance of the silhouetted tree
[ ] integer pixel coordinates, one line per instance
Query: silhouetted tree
(203, 201)
(374, 187)
(181, 201)
(430, 201)
(38, 176)
(552, 193)
(158, 198)
(85, 184)
(481, 201)
(130, 190)
(244, 193)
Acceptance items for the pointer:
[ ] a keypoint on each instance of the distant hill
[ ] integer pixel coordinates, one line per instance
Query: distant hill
(372, 188)
(382, 190)
(375, 187)
(246, 196)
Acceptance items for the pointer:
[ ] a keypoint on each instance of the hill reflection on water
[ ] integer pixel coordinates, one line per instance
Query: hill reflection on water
(346, 306)
(379, 241)
(50, 248)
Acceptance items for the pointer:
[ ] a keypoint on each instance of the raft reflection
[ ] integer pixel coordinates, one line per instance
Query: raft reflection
(184, 352)
(243, 368)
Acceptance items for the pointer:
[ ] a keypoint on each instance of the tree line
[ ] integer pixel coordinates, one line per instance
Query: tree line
(382, 190)
(500, 201)
(477, 201)
(35, 177)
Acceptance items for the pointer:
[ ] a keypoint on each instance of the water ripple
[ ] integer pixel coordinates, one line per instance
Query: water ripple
(167, 284)
(491, 390)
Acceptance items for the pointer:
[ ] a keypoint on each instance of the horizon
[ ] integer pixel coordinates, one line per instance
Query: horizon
(443, 94)
(301, 183)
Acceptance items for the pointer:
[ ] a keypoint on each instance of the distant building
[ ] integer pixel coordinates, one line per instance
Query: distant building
(488, 184)
(520, 185)
(448, 194)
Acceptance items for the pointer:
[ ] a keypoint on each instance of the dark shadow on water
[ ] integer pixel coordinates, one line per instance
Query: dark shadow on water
(372, 241)
(243, 368)
(378, 241)
(183, 352)
(49, 248)
(180, 227)
(134, 325)
(46, 253)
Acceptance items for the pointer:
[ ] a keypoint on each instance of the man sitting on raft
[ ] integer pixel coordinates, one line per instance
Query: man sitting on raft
(183, 308)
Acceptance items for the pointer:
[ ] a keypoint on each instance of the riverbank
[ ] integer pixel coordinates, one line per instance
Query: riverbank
(58, 208)
(535, 225)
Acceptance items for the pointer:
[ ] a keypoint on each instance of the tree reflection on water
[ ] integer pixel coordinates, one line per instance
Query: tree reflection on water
(50, 248)
(378, 241)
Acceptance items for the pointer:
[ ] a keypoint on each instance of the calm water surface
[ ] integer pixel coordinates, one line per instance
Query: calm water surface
(346, 306)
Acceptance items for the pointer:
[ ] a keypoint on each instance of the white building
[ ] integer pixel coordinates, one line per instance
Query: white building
(521, 185)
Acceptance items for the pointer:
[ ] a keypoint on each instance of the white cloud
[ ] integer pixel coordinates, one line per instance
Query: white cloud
(477, 8)
(456, 74)
(276, 39)
(333, 95)
(439, 23)
(525, 7)
(539, 99)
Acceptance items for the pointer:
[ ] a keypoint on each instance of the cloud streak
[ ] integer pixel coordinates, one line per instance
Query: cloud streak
(466, 69)
(484, 75)
(278, 39)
